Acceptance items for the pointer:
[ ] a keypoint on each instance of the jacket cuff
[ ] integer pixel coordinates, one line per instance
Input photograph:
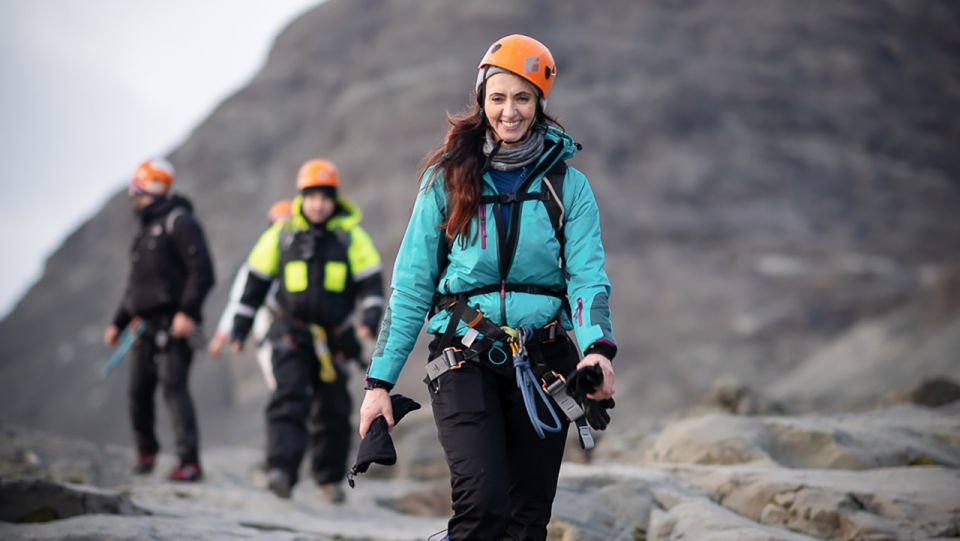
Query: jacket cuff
(191, 310)
(371, 319)
(374, 383)
(241, 328)
(121, 319)
(602, 347)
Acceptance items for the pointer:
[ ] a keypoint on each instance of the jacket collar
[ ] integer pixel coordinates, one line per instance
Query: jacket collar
(346, 215)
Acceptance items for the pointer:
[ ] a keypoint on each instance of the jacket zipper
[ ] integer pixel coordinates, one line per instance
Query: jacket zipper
(580, 311)
(483, 227)
(507, 240)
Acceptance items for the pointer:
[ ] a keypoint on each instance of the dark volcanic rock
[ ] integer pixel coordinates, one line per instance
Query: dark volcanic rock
(769, 174)
(42, 501)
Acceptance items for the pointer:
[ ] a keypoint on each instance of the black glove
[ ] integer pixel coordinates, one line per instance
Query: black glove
(241, 328)
(583, 382)
(378, 445)
(596, 412)
(344, 341)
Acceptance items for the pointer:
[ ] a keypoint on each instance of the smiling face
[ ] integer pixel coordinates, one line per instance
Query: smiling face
(316, 206)
(510, 104)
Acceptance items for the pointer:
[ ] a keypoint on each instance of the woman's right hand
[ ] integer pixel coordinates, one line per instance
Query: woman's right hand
(376, 402)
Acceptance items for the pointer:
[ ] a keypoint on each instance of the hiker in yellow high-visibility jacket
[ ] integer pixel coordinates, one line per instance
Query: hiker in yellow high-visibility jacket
(326, 267)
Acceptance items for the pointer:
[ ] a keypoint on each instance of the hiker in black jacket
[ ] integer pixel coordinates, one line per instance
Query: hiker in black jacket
(170, 276)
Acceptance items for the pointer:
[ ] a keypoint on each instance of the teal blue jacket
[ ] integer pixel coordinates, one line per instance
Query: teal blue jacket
(417, 274)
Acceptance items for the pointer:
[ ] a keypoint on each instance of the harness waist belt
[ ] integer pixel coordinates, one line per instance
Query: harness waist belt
(443, 301)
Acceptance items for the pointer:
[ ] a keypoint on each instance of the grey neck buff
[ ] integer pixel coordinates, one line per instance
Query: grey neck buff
(514, 157)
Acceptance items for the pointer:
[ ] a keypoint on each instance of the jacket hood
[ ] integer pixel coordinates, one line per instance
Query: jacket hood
(163, 206)
(570, 146)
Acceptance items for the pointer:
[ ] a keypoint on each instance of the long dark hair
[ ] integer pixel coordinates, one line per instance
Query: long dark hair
(461, 161)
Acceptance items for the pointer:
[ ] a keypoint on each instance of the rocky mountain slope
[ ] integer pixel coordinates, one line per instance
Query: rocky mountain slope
(770, 174)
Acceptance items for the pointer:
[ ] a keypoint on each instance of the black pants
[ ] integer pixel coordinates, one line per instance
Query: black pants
(168, 366)
(503, 476)
(303, 410)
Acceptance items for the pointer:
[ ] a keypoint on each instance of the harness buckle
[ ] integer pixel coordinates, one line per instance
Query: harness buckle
(556, 386)
(510, 197)
(550, 330)
(447, 360)
(450, 356)
(552, 382)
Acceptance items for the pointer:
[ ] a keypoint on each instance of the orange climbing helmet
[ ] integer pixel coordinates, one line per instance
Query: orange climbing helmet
(317, 174)
(280, 210)
(522, 56)
(153, 177)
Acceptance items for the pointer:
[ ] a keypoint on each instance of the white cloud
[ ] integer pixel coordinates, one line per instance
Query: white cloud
(90, 88)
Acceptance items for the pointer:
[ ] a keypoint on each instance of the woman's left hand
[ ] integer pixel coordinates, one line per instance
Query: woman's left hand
(607, 388)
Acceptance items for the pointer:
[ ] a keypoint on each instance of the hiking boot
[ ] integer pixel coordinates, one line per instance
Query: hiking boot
(279, 482)
(144, 463)
(332, 493)
(188, 471)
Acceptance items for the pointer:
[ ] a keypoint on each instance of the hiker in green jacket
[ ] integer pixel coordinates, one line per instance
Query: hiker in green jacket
(326, 268)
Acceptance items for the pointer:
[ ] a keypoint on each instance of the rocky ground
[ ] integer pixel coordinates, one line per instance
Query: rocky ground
(887, 473)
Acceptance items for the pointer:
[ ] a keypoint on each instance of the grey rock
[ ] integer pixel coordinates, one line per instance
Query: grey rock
(702, 519)
(897, 436)
(898, 502)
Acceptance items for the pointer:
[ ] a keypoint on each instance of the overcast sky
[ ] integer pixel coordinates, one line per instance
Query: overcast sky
(92, 87)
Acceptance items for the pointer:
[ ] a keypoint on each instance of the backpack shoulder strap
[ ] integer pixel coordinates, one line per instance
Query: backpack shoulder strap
(286, 236)
(343, 237)
(553, 198)
(171, 219)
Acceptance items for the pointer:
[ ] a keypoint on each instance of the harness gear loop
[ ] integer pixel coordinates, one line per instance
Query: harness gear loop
(503, 355)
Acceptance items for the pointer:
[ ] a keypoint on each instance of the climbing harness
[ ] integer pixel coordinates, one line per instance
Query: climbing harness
(484, 344)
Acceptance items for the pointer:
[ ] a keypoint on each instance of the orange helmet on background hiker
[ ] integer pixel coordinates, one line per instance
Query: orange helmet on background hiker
(280, 210)
(152, 177)
(317, 174)
(524, 57)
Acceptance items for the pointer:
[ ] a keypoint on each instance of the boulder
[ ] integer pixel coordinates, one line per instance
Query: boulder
(898, 503)
(897, 436)
(932, 392)
(39, 500)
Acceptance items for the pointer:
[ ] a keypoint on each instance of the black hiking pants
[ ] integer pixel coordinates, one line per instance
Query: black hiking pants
(167, 366)
(303, 411)
(503, 476)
